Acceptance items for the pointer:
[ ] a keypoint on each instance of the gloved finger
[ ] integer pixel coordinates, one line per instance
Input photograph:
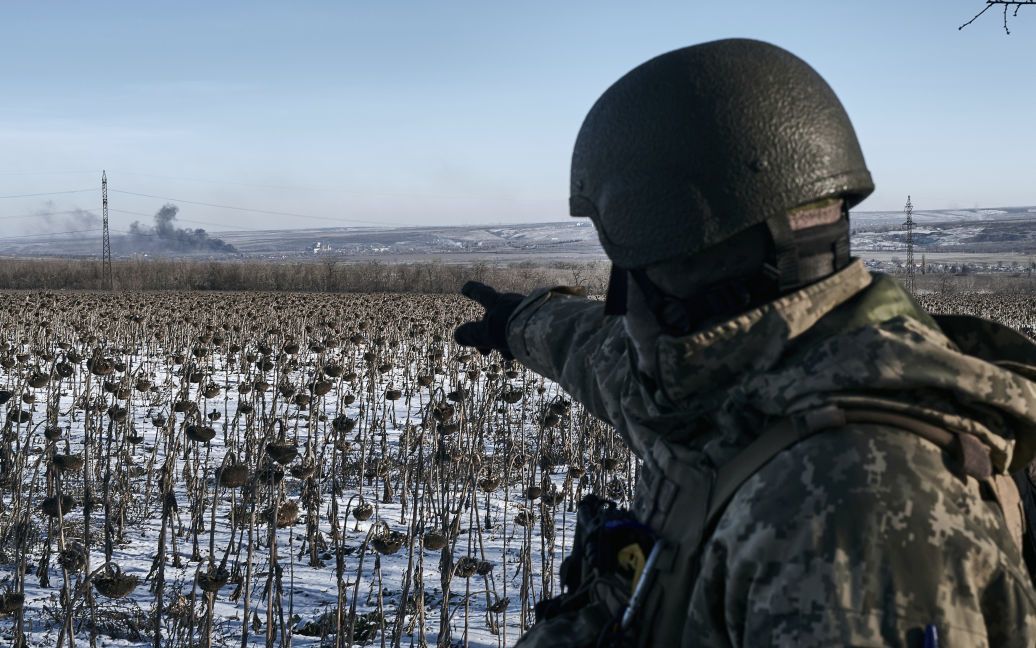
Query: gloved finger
(480, 292)
(474, 334)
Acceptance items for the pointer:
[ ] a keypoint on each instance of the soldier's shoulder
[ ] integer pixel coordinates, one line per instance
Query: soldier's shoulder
(865, 489)
(861, 534)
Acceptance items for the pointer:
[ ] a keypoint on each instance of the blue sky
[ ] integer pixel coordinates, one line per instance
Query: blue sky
(459, 112)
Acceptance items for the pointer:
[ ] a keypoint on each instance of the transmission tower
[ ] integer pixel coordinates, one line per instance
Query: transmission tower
(910, 246)
(107, 282)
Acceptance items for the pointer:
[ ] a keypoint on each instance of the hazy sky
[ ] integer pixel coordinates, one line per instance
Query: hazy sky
(444, 112)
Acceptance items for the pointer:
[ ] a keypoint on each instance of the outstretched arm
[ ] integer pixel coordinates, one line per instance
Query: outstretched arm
(567, 338)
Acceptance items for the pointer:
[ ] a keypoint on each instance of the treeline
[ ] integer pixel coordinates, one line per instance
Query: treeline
(319, 276)
(972, 282)
(374, 276)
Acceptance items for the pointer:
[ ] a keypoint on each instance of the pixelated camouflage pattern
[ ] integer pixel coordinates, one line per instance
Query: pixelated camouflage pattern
(856, 536)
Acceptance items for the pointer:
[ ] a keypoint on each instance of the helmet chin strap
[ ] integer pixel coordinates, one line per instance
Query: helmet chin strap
(803, 256)
(797, 258)
(618, 289)
(721, 300)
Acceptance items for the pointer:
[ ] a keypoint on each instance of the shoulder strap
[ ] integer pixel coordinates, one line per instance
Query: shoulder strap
(779, 436)
(1010, 500)
(972, 456)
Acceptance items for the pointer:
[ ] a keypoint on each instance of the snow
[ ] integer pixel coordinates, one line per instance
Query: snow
(311, 591)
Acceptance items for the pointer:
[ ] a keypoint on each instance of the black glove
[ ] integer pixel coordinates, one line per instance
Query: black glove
(489, 333)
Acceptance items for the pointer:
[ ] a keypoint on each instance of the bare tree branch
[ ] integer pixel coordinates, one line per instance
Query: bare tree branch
(975, 17)
(1017, 4)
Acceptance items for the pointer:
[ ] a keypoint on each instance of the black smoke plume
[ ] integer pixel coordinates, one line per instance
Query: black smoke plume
(165, 235)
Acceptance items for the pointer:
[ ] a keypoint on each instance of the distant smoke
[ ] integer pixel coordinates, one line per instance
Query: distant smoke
(74, 220)
(166, 236)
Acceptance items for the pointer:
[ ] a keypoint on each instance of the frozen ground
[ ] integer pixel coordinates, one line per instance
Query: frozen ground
(455, 451)
(436, 469)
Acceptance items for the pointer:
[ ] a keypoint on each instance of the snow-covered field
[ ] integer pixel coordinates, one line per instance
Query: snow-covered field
(423, 495)
(420, 469)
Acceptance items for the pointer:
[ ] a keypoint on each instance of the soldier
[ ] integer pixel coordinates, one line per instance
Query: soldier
(823, 462)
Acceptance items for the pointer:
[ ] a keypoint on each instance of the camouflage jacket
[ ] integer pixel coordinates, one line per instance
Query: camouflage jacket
(859, 535)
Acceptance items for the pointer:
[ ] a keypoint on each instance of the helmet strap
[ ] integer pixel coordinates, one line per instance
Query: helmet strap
(618, 287)
(783, 265)
(797, 258)
(679, 316)
(801, 257)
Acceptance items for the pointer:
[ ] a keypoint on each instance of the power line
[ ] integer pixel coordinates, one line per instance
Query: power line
(68, 233)
(185, 220)
(258, 211)
(49, 193)
(225, 182)
(41, 173)
(383, 194)
(50, 234)
(54, 213)
(132, 213)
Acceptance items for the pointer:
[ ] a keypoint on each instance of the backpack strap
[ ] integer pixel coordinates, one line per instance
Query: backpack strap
(778, 437)
(972, 461)
(971, 454)
(1010, 500)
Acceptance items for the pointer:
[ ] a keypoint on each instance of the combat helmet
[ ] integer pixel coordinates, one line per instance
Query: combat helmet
(699, 144)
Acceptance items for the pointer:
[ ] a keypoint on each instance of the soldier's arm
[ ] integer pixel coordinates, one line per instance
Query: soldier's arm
(568, 338)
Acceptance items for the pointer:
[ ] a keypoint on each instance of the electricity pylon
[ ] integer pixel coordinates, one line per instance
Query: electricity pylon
(910, 246)
(107, 282)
